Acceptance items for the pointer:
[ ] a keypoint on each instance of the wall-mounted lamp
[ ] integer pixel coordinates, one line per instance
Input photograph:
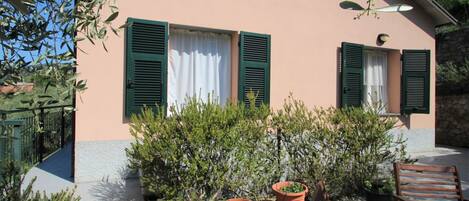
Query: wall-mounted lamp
(382, 38)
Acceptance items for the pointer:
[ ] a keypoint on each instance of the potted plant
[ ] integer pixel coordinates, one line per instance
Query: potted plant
(290, 191)
(379, 189)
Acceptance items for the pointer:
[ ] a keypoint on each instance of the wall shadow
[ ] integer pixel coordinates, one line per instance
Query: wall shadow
(339, 77)
(125, 188)
(125, 119)
(418, 16)
(59, 163)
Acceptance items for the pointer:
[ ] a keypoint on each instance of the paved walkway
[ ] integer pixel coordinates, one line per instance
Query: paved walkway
(449, 156)
(54, 175)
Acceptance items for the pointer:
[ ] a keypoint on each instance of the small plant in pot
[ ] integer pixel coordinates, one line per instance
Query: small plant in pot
(290, 191)
(379, 189)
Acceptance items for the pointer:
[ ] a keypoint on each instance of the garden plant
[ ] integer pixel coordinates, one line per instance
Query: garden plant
(206, 151)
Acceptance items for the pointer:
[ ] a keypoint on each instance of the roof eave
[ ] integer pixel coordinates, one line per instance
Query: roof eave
(439, 14)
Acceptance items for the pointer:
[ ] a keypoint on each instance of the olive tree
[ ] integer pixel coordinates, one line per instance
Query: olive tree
(39, 37)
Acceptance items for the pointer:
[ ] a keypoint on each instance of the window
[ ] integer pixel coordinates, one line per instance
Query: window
(164, 69)
(364, 79)
(375, 84)
(199, 65)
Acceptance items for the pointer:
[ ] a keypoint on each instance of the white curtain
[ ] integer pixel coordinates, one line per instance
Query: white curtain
(199, 65)
(375, 84)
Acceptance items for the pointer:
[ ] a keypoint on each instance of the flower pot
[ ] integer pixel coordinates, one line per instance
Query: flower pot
(282, 196)
(375, 196)
(238, 199)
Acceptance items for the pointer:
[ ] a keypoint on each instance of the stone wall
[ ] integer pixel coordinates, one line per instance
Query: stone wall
(453, 46)
(452, 120)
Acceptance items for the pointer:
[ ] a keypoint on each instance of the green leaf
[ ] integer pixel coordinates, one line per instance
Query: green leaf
(128, 24)
(115, 31)
(18, 4)
(104, 46)
(44, 96)
(112, 17)
(90, 39)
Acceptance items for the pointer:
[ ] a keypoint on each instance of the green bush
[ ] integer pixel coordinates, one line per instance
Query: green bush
(453, 75)
(204, 151)
(344, 147)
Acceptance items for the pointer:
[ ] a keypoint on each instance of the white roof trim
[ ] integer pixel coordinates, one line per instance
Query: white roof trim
(439, 14)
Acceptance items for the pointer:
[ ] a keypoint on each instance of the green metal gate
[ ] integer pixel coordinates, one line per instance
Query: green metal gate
(32, 135)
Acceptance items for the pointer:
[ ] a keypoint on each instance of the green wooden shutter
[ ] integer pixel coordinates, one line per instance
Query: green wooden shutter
(254, 67)
(352, 75)
(146, 64)
(415, 82)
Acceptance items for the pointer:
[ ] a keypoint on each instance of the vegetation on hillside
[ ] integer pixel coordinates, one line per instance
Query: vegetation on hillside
(45, 92)
(460, 10)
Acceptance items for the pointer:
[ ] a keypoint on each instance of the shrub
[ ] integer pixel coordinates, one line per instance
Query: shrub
(204, 151)
(344, 147)
(452, 79)
(454, 75)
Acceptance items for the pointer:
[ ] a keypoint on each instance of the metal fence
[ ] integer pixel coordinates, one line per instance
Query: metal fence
(32, 135)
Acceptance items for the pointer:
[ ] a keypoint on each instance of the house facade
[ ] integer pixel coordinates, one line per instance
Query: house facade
(313, 49)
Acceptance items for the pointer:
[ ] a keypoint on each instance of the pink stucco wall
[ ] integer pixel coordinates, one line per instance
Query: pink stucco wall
(306, 35)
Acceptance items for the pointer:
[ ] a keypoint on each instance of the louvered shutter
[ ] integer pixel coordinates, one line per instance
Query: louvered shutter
(352, 75)
(146, 64)
(254, 67)
(415, 87)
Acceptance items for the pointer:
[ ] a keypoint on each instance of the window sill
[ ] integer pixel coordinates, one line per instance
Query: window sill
(390, 114)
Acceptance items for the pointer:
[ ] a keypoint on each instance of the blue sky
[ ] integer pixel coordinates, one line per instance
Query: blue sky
(33, 55)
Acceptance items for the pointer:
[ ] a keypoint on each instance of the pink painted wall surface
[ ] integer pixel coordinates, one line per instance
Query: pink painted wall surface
(306, 35)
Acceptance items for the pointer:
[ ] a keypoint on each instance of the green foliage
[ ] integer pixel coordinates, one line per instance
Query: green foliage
(458, 8)
(55, 94)
(204, 151)
(344, 147)
(293, 187)
(453, 75)
(42, 37)
(11, 180)
(448, 28)
(382, 185)
(39, 37)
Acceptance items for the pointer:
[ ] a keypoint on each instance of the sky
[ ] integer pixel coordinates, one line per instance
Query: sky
(33, 55)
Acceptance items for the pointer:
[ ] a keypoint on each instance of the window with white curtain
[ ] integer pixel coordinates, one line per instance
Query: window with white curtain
(199, 65)
(375, 83)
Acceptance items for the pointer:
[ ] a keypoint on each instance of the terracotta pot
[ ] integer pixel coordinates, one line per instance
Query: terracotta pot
(282, 196)
(238, 199)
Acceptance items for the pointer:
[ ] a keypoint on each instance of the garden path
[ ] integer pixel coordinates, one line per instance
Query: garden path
(54, 175)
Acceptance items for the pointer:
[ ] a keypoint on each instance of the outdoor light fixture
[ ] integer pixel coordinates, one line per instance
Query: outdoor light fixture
(382, 38)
